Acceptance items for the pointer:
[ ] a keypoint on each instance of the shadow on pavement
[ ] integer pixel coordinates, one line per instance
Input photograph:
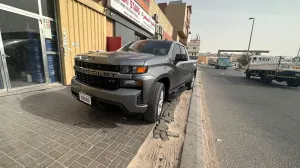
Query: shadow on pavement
(60, 106)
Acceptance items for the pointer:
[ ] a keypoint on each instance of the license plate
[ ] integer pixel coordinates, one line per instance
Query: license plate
(85, 98)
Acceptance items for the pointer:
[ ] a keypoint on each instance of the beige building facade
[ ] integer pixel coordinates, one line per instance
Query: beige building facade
(179, 14)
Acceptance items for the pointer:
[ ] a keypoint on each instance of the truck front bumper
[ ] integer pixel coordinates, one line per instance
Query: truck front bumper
(127, 99)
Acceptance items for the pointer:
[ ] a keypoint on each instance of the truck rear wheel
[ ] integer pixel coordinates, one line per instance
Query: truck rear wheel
(292, 83)
(265, 79)
(156, 102)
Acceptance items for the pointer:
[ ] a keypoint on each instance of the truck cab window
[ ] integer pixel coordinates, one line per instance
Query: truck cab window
(176, 50)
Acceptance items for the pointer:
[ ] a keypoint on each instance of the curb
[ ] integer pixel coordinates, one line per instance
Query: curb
(192, 152)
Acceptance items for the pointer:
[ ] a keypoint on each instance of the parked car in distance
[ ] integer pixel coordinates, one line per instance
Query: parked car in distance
(139, 77)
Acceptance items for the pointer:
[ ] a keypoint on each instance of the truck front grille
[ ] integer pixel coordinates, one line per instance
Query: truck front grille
(98, 81)
(102, 67)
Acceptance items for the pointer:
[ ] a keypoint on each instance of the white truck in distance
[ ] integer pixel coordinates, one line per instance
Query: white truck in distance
(277, 68)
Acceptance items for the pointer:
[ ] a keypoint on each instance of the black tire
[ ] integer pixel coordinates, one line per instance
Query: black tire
(151, 114)
(265, 79)
(248, 74)
(292, 83)
(190, 85)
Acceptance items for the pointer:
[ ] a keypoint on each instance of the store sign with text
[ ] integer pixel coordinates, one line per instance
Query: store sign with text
(134, 12)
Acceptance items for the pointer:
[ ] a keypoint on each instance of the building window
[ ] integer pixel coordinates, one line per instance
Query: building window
(187, 47)
(194, 48)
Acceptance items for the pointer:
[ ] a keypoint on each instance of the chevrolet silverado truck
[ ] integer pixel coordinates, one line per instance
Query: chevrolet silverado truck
(138, 78)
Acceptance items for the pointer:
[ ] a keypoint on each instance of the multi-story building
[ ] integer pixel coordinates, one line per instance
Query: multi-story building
(179, 14)
(164, 29)
(193, 47)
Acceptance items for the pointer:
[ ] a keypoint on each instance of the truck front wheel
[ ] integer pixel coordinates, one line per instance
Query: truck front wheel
(293, 83)
(156, 102)
(248, 74)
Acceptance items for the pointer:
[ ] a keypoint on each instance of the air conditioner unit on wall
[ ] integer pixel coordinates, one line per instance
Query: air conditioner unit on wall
(157, 29)
(156, 18)
(161, 30)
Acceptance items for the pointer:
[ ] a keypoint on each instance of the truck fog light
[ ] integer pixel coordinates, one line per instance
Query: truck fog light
(133, 82)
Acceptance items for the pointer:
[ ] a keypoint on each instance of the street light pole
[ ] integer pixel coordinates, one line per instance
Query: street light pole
(253, 20)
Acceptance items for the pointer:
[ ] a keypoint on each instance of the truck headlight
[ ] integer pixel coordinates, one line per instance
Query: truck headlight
(133, 69)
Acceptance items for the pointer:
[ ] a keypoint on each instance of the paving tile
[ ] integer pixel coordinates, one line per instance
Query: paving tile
(25, 160)
(137, 144)
(91, 151)
(108, 155)
(80, 149)
(119, 148)
(66, 156)
(130, 150)
(56, 165)
(126, 155)
(103, 160)
(102, 145)
(71, 159)
(84, 160)
(76, 165)
(98, 152)
(11, 164)
(94, 164)
(113, 146)
(101, 166)
(62, 149)
(35, 154)
(107, 141)
(54, 154)
(115, 162)
(86, 145)
(124, 163)
(46, 163)
(5, 160)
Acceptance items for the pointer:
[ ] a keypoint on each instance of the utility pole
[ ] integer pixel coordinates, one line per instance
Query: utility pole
(253, 20)
(298, 52)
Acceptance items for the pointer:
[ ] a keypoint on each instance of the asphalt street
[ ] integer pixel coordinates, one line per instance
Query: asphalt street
(255, 125)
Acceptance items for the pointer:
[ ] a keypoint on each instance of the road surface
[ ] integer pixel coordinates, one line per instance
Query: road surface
(254, 125)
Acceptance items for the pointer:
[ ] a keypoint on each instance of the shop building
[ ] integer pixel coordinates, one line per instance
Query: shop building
(164, 29)
(128, 20)
(179, 14)
(40, 38)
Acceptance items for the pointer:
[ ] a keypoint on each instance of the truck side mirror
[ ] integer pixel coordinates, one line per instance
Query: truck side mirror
(181, 57)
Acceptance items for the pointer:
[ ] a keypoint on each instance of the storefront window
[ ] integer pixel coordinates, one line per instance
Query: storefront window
(48, 8)
(22, 45)
(28, 5)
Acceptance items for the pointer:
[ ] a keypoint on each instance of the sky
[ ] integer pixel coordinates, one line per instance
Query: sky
(225, 24)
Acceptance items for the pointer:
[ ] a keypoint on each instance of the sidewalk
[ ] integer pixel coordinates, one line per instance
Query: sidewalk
(192, 153)
(52, 129)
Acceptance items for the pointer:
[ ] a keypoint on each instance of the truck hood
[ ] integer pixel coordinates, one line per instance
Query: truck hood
(116, 58)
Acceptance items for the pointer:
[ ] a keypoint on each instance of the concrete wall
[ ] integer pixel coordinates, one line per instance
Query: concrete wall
(163, 20)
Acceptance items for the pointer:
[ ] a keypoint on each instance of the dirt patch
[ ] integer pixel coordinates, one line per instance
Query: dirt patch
(156, 153)
(210, 156)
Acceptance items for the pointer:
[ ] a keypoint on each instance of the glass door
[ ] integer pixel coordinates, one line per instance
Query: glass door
(3, 84)
(22, 52)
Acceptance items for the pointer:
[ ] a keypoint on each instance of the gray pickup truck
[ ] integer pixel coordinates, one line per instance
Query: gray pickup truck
(139, 77)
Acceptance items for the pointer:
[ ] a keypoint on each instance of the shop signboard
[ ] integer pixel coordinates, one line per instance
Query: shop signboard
(134, 12)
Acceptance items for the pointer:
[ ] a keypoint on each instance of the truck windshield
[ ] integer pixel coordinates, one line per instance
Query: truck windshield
(149, 47)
